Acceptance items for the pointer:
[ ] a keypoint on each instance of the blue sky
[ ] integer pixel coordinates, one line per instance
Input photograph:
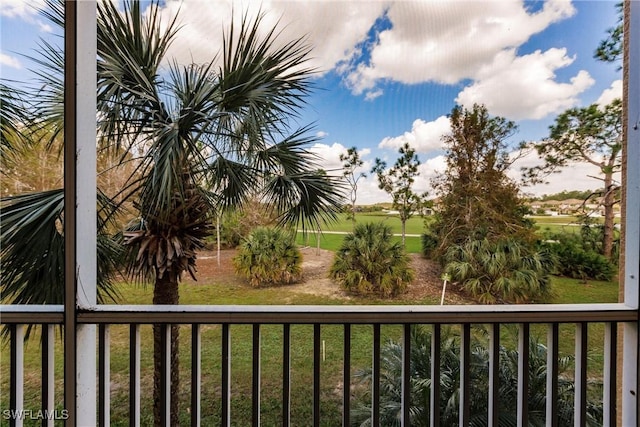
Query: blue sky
(390, 72)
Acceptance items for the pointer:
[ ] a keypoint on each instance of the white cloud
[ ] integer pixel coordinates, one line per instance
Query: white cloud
(329, 157)
(334, 31)
(26, 11)
(447, 42)
(10, 61)
(321, 134)
(574, 176)
(424, 137)
(20, 8)
(608, 95)
(524, 87)
(329, 160)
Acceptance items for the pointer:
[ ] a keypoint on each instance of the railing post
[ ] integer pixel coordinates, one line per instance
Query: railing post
(630, 399)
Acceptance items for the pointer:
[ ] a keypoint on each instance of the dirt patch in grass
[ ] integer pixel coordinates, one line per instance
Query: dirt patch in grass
(427, 285)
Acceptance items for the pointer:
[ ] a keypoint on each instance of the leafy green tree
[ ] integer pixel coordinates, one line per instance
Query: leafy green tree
(209, 136)
(398, 182)
(352, 161)
(369, 262)
(269, 256)
(592, 135)
(477, 198)
(507, 271)
(420, 381)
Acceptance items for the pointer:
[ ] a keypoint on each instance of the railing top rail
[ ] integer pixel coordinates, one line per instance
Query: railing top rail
(327, 314)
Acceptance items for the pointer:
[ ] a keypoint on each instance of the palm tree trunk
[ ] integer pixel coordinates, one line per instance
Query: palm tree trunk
(165, 292)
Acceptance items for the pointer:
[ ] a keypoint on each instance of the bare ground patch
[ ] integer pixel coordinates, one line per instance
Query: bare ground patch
(315, 277)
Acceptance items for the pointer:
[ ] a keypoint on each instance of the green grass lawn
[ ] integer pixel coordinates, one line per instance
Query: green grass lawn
(333, 242)
(414, 225)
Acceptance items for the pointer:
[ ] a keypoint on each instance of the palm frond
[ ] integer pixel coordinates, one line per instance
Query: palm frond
(13, 119)
(305, 199)
(33, 250)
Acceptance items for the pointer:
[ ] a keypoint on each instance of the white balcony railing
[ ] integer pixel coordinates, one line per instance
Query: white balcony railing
(550, 317)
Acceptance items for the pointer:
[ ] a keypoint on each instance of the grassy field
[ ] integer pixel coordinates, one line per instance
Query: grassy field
(332, 242)
(333, 233)
(414, 225)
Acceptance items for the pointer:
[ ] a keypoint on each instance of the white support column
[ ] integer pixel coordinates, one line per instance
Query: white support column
(630, 401)
(86, 257)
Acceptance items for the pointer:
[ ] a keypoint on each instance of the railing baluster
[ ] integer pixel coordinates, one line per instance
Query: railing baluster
(494, 374)
(226, 375)
(552, 375)
(255, 378)
(165, 375)
(346, 376)
(316, 374)
(610, 373)
(375, 386)
(580, 407)
(406, 375)
(134, 375)
(286, 375)
(104, 375)
(465, 374)
(523, 375)
(16, 398)
(196, 366)
(436, 338)
(48, 375)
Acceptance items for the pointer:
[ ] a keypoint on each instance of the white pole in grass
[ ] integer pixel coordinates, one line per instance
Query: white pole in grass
(445, 278)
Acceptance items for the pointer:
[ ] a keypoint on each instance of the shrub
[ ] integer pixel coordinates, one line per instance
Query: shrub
(506, 271)
(575, 259)
(236, 224)
(269, 256)
(369, 262)
(429, 243)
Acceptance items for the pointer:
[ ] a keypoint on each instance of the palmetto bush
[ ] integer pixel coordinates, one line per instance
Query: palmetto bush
(269, 256)
(577, 257)
(420, 380)
(370, 262)
(507, 271)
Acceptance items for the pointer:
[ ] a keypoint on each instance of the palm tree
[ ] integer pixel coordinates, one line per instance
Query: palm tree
(507, 271)
(208, 137)
(371, 262)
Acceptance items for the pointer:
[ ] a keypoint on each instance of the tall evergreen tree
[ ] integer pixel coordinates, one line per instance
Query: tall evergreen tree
(477, 199)
(591, 135)
(398, 182)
